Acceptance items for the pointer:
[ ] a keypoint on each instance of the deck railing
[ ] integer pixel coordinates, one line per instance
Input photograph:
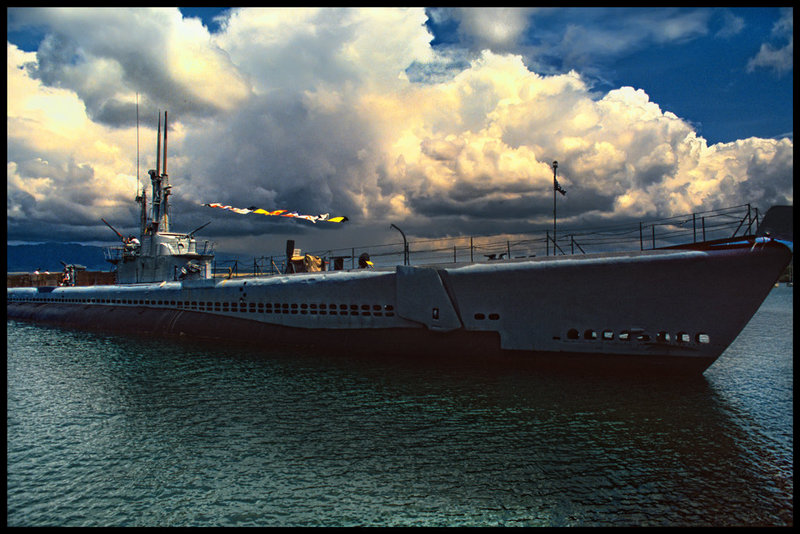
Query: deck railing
(634, 235)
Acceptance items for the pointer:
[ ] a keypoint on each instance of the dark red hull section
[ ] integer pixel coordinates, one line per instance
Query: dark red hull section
(410, 343)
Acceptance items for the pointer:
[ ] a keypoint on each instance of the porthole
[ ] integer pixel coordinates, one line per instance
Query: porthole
(683, 337)
(662, 337)
(494, 316)
(608, 335)
(702, 338)
(573, 333)
(624, 335)
(480, 316)
(643, 337)
(590, 334)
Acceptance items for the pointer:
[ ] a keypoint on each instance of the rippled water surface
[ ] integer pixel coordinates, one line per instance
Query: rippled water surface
(114, 430)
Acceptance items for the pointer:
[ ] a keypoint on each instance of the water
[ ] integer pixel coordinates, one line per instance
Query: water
(116, 431)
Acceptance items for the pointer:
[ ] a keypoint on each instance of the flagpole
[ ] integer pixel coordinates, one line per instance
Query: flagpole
(555, 188)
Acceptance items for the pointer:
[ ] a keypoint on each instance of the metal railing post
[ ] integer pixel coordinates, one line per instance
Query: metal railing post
(641, 241)
(547, 243)
(749, 221)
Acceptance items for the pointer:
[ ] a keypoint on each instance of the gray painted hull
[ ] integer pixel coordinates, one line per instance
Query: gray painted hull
(671, 309)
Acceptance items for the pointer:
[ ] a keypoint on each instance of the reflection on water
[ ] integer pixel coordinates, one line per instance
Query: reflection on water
(106, 430)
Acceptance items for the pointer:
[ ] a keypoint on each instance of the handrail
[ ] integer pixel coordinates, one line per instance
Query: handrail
(669, 231)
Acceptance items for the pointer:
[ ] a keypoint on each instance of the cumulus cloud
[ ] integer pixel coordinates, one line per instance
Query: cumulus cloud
(62, 167)
(498, 29)
(620, 152)
(314, 110)
(107, 55)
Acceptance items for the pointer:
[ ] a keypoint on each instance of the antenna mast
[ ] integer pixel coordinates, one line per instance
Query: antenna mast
(158, 146)
(161, 187)
(137, 143)
(165, 187)
(141, 199)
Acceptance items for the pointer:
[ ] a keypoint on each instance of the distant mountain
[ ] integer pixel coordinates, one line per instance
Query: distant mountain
(48, 257)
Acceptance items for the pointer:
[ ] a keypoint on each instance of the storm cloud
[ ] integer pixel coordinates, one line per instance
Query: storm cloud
(314, 110)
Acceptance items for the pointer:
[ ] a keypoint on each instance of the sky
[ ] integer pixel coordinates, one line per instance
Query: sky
(442, 121)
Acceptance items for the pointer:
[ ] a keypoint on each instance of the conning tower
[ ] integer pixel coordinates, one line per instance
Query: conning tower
(160, 255)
